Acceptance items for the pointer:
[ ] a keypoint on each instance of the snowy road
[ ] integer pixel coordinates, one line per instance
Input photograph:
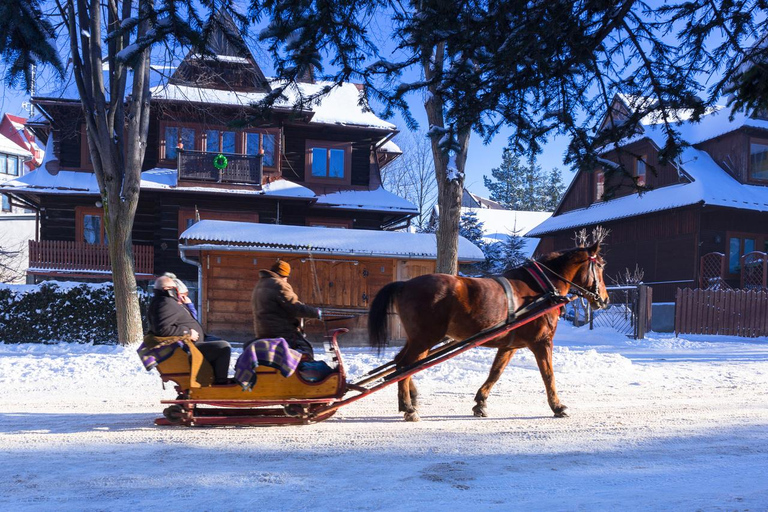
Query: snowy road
(659, 424)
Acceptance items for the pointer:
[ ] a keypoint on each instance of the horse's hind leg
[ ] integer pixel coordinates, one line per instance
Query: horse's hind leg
(543, 352)
(503, 355)
(406, 389)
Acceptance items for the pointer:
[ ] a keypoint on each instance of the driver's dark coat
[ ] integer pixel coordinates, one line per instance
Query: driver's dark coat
(276, 308)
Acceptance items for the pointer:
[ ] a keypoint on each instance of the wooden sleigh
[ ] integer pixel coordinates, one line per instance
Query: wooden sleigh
(274, 399)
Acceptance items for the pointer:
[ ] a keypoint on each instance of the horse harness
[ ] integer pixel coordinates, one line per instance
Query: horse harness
(536, 270)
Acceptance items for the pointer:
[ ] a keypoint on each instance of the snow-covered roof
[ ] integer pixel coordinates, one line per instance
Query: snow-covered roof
(391, 147)
(710, 185)
(375, 200)
(212, 234)
(341, 106)
(73, 182)
(9, 147)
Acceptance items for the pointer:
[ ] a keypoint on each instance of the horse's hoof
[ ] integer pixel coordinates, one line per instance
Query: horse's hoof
(480, 411)
(411, 416)
(560, 412)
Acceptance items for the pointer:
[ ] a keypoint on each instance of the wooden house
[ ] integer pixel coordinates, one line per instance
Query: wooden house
(317, 166)
(713, 198)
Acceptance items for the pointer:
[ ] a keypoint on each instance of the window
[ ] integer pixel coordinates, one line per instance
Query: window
(3, 164)
(217, 141)
(178, 138)
(262, 141)
(738, 246)
(329, 161)
(599, 185)
(640, 171)
(187, 217)
(90, 226)
(758, 160)
(319, 222)
(6, 203)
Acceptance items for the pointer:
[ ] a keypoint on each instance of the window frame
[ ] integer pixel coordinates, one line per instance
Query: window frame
(642, 159)
(80, 213)
(161, 136)
(3, 199)
(329, 222)
(262, 131)
(750, 141)
(599, 185)
(760, 240)
(328, 145)
(186, 214)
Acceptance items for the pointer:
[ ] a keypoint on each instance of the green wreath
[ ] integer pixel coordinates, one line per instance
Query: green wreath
(220, 162)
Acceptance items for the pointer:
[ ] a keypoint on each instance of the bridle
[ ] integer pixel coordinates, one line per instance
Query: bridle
(581, 291)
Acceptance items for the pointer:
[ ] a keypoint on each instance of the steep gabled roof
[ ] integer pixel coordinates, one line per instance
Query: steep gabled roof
(227, 63)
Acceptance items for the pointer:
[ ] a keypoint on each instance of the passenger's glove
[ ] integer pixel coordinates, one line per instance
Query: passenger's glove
(319, 314)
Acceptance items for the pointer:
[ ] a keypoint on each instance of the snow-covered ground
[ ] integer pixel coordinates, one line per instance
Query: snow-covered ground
(658, 424)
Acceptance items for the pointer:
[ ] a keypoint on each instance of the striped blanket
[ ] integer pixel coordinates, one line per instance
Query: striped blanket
(272, 352)
(152, 353)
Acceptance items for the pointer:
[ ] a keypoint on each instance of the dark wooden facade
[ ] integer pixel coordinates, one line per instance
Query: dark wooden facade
(668, 245)
(233, 194)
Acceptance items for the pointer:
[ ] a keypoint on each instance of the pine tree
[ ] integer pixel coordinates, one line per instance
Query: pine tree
(514, 251)
(506, 181)
(471, 228)
(552, 191)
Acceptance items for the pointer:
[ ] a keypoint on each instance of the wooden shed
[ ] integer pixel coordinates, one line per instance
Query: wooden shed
(339, 270)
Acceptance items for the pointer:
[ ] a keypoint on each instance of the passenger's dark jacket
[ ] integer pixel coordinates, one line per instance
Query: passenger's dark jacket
(277, 309)
(169, 318)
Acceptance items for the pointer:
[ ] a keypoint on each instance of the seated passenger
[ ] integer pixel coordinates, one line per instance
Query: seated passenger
(167, 317)
(277, 309)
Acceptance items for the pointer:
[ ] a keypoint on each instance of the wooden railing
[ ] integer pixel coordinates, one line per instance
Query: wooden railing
(245, 169)
(77, 257)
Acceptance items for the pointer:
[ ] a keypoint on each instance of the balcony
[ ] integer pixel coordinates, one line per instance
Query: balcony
(240, 169)
(79, 259)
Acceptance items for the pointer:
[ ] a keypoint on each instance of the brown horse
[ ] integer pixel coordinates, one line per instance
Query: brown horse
(434, 306)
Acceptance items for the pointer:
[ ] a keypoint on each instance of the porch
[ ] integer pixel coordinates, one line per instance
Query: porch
(58, 258)
(223, 168)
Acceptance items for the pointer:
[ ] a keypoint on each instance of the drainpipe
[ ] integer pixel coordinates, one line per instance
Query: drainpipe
(199, 280)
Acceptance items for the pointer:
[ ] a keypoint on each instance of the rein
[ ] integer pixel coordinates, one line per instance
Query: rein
(580, 290)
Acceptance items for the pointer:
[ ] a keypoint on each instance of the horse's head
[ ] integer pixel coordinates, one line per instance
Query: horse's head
(589, 275)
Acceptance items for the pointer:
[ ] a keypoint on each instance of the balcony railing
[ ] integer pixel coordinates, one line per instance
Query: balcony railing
(60, 257)
(240, 169)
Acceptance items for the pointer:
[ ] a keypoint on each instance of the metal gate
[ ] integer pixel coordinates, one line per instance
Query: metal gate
(628, 312)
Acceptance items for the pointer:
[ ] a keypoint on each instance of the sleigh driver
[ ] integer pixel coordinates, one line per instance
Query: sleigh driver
(277, 310)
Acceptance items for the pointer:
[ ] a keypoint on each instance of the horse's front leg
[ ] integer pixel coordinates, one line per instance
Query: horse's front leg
(543, 352)
(503, 355)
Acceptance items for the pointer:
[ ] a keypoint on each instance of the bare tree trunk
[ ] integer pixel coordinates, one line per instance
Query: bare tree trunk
(129, 327)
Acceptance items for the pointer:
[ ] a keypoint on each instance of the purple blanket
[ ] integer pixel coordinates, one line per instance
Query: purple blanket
(273, 352)
(151, 357)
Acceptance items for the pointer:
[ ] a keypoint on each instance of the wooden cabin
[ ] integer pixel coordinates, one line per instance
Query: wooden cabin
(713, 198)
(314, 166)
(338, 270)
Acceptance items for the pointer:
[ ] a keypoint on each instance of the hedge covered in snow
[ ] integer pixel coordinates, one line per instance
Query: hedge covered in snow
(54, 311)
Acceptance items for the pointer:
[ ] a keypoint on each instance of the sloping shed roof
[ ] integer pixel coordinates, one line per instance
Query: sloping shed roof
(246, 236)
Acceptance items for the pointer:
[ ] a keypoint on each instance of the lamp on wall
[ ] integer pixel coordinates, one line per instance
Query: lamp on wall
(718, 239)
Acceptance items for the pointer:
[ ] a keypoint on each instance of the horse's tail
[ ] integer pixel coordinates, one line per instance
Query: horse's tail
(377, 316)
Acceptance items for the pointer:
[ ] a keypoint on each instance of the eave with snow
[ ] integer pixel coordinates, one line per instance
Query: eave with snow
(340, 270)
(713, 198)
(316, 165)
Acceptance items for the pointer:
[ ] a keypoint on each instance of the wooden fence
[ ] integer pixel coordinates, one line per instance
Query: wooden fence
(727, 312)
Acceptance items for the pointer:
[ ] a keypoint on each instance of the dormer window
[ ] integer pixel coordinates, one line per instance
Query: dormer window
(262, 141)
(640, 169)
(758, 160)
(219, 141)
(329, 162)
